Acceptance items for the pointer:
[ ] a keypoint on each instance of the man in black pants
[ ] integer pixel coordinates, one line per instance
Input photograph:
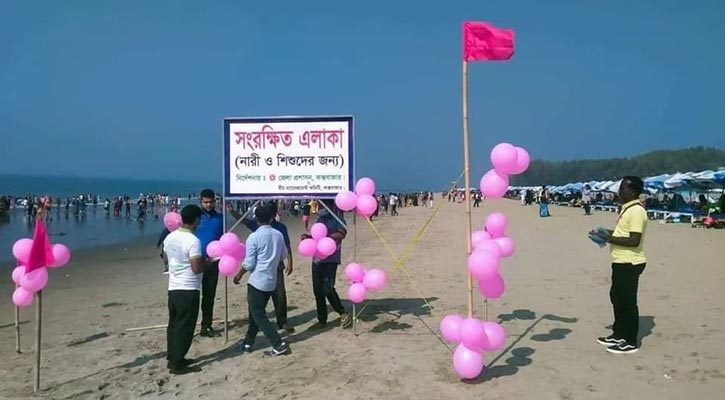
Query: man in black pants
(324, 271)
(182, 257)
(210, 228)
(628, 263)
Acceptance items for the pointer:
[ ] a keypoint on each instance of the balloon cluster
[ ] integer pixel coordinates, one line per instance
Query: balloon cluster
(363, 198)
(363, 279)
(489, 246)
(28, 283)
(172, 221)
(230, 251)
(507, 160)
(473, 338)
(319, 245)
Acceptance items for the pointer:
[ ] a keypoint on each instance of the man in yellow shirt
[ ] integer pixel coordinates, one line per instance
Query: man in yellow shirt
(628, 263)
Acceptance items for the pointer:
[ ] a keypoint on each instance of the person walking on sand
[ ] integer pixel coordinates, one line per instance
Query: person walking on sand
(279, 298)
(306, 214)
(182, 256)
(544, 202)
(210, 228)
(324, 271)
(628, 262)
(265, 251)
(587, 199)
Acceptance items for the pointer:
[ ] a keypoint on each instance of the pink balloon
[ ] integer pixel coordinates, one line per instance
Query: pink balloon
(472, 334)
(172, 221)
(375, 280)
(506, 244)
(22, 297)
(522, 161)
(366, 205)
(489, 246)
(21, 249)
(346, 201)
(326, 246)
(61, 256)
(35, 280)
(496, 224)
(214, 249)
(307, 247)
(238, 252)
(365, 186)
(479, 237)
(503, 158)
(228, 242)
(357, 293)
(495, 334)
(467, 363)
(18, 273)
(318, 231)
(483, 264)
(492, 288)
(354, 273)
(319, 256)
(228, 265)
(451, 328)
(494, 184)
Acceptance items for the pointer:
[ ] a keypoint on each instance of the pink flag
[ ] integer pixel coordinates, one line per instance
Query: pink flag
(485, 42)
(41, 254)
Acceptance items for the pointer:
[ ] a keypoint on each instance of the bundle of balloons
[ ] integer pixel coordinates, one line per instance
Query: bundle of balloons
(29, 281)
(363, 279)
(473, 338)
(230, 251)
(319, 246)
(507, 160)
(363, 198)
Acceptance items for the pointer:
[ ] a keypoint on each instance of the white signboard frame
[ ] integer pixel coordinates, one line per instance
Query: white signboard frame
(288, 157)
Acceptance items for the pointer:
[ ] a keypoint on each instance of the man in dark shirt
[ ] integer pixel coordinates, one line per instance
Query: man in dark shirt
(211, 228)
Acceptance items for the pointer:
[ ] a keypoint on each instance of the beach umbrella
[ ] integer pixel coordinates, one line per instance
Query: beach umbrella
(657, 182)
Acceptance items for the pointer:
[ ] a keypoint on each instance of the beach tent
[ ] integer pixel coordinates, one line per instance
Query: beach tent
(677, 180)
(657, 182)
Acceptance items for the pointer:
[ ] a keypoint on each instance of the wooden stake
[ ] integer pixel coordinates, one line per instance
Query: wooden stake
(38, 332)
(17, 329)
(226, 309)
(467, 179)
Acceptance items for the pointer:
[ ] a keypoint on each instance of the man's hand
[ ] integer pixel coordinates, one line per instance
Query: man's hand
(288, 269)
(238, 276)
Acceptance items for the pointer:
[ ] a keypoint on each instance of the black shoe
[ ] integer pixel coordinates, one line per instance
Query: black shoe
(277, 350)
(209, 332)
(244, 347)
(287, 328)
(623, 348)
(183, 370)
(609, 340)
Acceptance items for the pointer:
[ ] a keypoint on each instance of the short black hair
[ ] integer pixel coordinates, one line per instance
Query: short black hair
(634, 183)
(190, 213)
(207, 194)
(330, 203)
(272, 204)
(263, 213)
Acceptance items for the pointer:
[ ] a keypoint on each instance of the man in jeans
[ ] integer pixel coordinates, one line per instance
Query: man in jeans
(279, 299)
(182, 257)
(265, 251)
(210, 228)
(324, 271)
(628, 263)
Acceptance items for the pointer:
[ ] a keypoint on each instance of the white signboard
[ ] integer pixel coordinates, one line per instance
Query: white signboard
(288, 157)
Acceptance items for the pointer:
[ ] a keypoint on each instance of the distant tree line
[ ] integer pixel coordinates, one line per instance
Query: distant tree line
(649, 164)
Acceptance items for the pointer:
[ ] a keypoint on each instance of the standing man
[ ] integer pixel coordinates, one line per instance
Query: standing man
(182, 257)
(265, 251)
(324, 271)
(628, 263)
(587, 199)
(279, 298)
(211, 228)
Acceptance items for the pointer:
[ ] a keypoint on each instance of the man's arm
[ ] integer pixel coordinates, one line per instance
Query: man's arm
(237, 216)
(197, 261)
(633, 240)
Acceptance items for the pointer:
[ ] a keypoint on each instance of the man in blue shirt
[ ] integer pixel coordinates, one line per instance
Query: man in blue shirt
(265, 251)
(211, 228)
(324, 271)
(279, 298)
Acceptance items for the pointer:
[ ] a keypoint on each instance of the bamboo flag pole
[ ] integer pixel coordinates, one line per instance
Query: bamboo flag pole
(226, 309)
(467, 179)
(38, 326)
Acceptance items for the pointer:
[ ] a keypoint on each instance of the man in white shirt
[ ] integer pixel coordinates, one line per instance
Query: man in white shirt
(182, 256)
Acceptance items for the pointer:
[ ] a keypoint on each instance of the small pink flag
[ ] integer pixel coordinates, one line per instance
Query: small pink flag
(485, 42)
(41, 254)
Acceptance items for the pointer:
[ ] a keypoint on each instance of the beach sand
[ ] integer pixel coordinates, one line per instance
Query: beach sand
(555, 305)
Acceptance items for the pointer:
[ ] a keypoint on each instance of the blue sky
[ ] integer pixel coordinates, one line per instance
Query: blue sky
(140, 88)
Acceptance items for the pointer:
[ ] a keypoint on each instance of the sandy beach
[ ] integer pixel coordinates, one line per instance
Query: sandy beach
(555, 305)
